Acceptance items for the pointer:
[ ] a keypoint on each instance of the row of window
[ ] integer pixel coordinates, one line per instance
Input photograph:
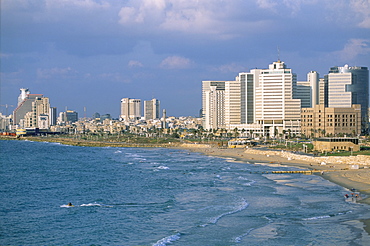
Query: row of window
(331, 116)
(331, 124)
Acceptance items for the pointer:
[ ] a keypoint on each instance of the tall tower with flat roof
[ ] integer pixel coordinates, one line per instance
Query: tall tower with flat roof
(349, 85)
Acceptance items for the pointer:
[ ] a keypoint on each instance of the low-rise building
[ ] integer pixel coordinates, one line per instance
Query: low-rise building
(336, 144)
(321, 121)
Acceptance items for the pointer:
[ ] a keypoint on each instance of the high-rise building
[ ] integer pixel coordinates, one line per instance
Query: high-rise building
(232, 102)
(151, 109)
(53, 116)
(213, 110)
(130, 109)
(349, 85)
(276, 108)
(304, 91)
(71, 116)
(32, 112)
(260, 100)
(314, 82)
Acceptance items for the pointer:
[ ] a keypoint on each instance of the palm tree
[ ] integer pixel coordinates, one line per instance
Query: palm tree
(236, 133)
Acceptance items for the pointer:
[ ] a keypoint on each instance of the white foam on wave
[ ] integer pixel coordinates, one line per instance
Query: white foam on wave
(249, 183)
(91, 205)
(117, 151)
(318, 217)
(243, 205)
(163, 167)
(238, 239)
(327, 216)
(86, 205)
(167, 240)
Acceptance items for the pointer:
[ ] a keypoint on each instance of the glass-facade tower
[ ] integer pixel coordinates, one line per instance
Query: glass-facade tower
(349, 85)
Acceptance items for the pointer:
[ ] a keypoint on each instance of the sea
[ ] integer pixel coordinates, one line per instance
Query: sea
(159, 196)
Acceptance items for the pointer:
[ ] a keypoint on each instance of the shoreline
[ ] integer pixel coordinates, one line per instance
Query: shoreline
(339, 174)
(336, 170)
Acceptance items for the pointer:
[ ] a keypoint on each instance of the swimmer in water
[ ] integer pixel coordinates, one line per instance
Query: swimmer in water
(69, 204)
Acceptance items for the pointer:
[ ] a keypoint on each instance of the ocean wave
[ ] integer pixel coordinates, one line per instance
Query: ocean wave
(167, 240)
(238, 239)
(327, 216)
(318, 217)
(246, 179)
(243, 205)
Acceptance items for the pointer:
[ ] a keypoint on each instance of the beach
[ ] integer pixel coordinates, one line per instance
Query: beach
(335, 169)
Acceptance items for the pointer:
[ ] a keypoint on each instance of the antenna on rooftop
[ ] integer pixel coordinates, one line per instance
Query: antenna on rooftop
(278, 50)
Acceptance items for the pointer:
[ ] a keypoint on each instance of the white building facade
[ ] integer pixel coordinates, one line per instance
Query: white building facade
(130, 109)
(260, 101)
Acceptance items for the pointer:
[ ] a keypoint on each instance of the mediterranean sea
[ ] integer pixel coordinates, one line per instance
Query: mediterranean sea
(157, 196)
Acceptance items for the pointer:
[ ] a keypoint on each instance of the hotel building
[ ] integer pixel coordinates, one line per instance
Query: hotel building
(151, 109)
(130, 109)
(260, 101)
(33, 111)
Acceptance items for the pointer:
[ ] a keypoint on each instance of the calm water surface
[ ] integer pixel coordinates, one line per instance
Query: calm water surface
(138, 196)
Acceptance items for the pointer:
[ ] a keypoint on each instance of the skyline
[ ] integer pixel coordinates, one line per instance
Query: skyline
(85, 53)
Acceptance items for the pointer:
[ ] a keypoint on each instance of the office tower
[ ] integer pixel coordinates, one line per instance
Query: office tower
(232, 102)
(213, 98)
(71, 116)
(248, 82)
(32, 112)
(304, 92)
(53, 116)
(314, 82)
(322, 89)
(309, 91)
(276, 109)
(349, 85)
(130, 109)
(151, 109)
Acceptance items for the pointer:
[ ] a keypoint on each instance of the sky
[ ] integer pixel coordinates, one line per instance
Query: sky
(92, 53)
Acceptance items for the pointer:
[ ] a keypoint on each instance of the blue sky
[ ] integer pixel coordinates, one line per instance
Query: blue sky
(92, 53)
